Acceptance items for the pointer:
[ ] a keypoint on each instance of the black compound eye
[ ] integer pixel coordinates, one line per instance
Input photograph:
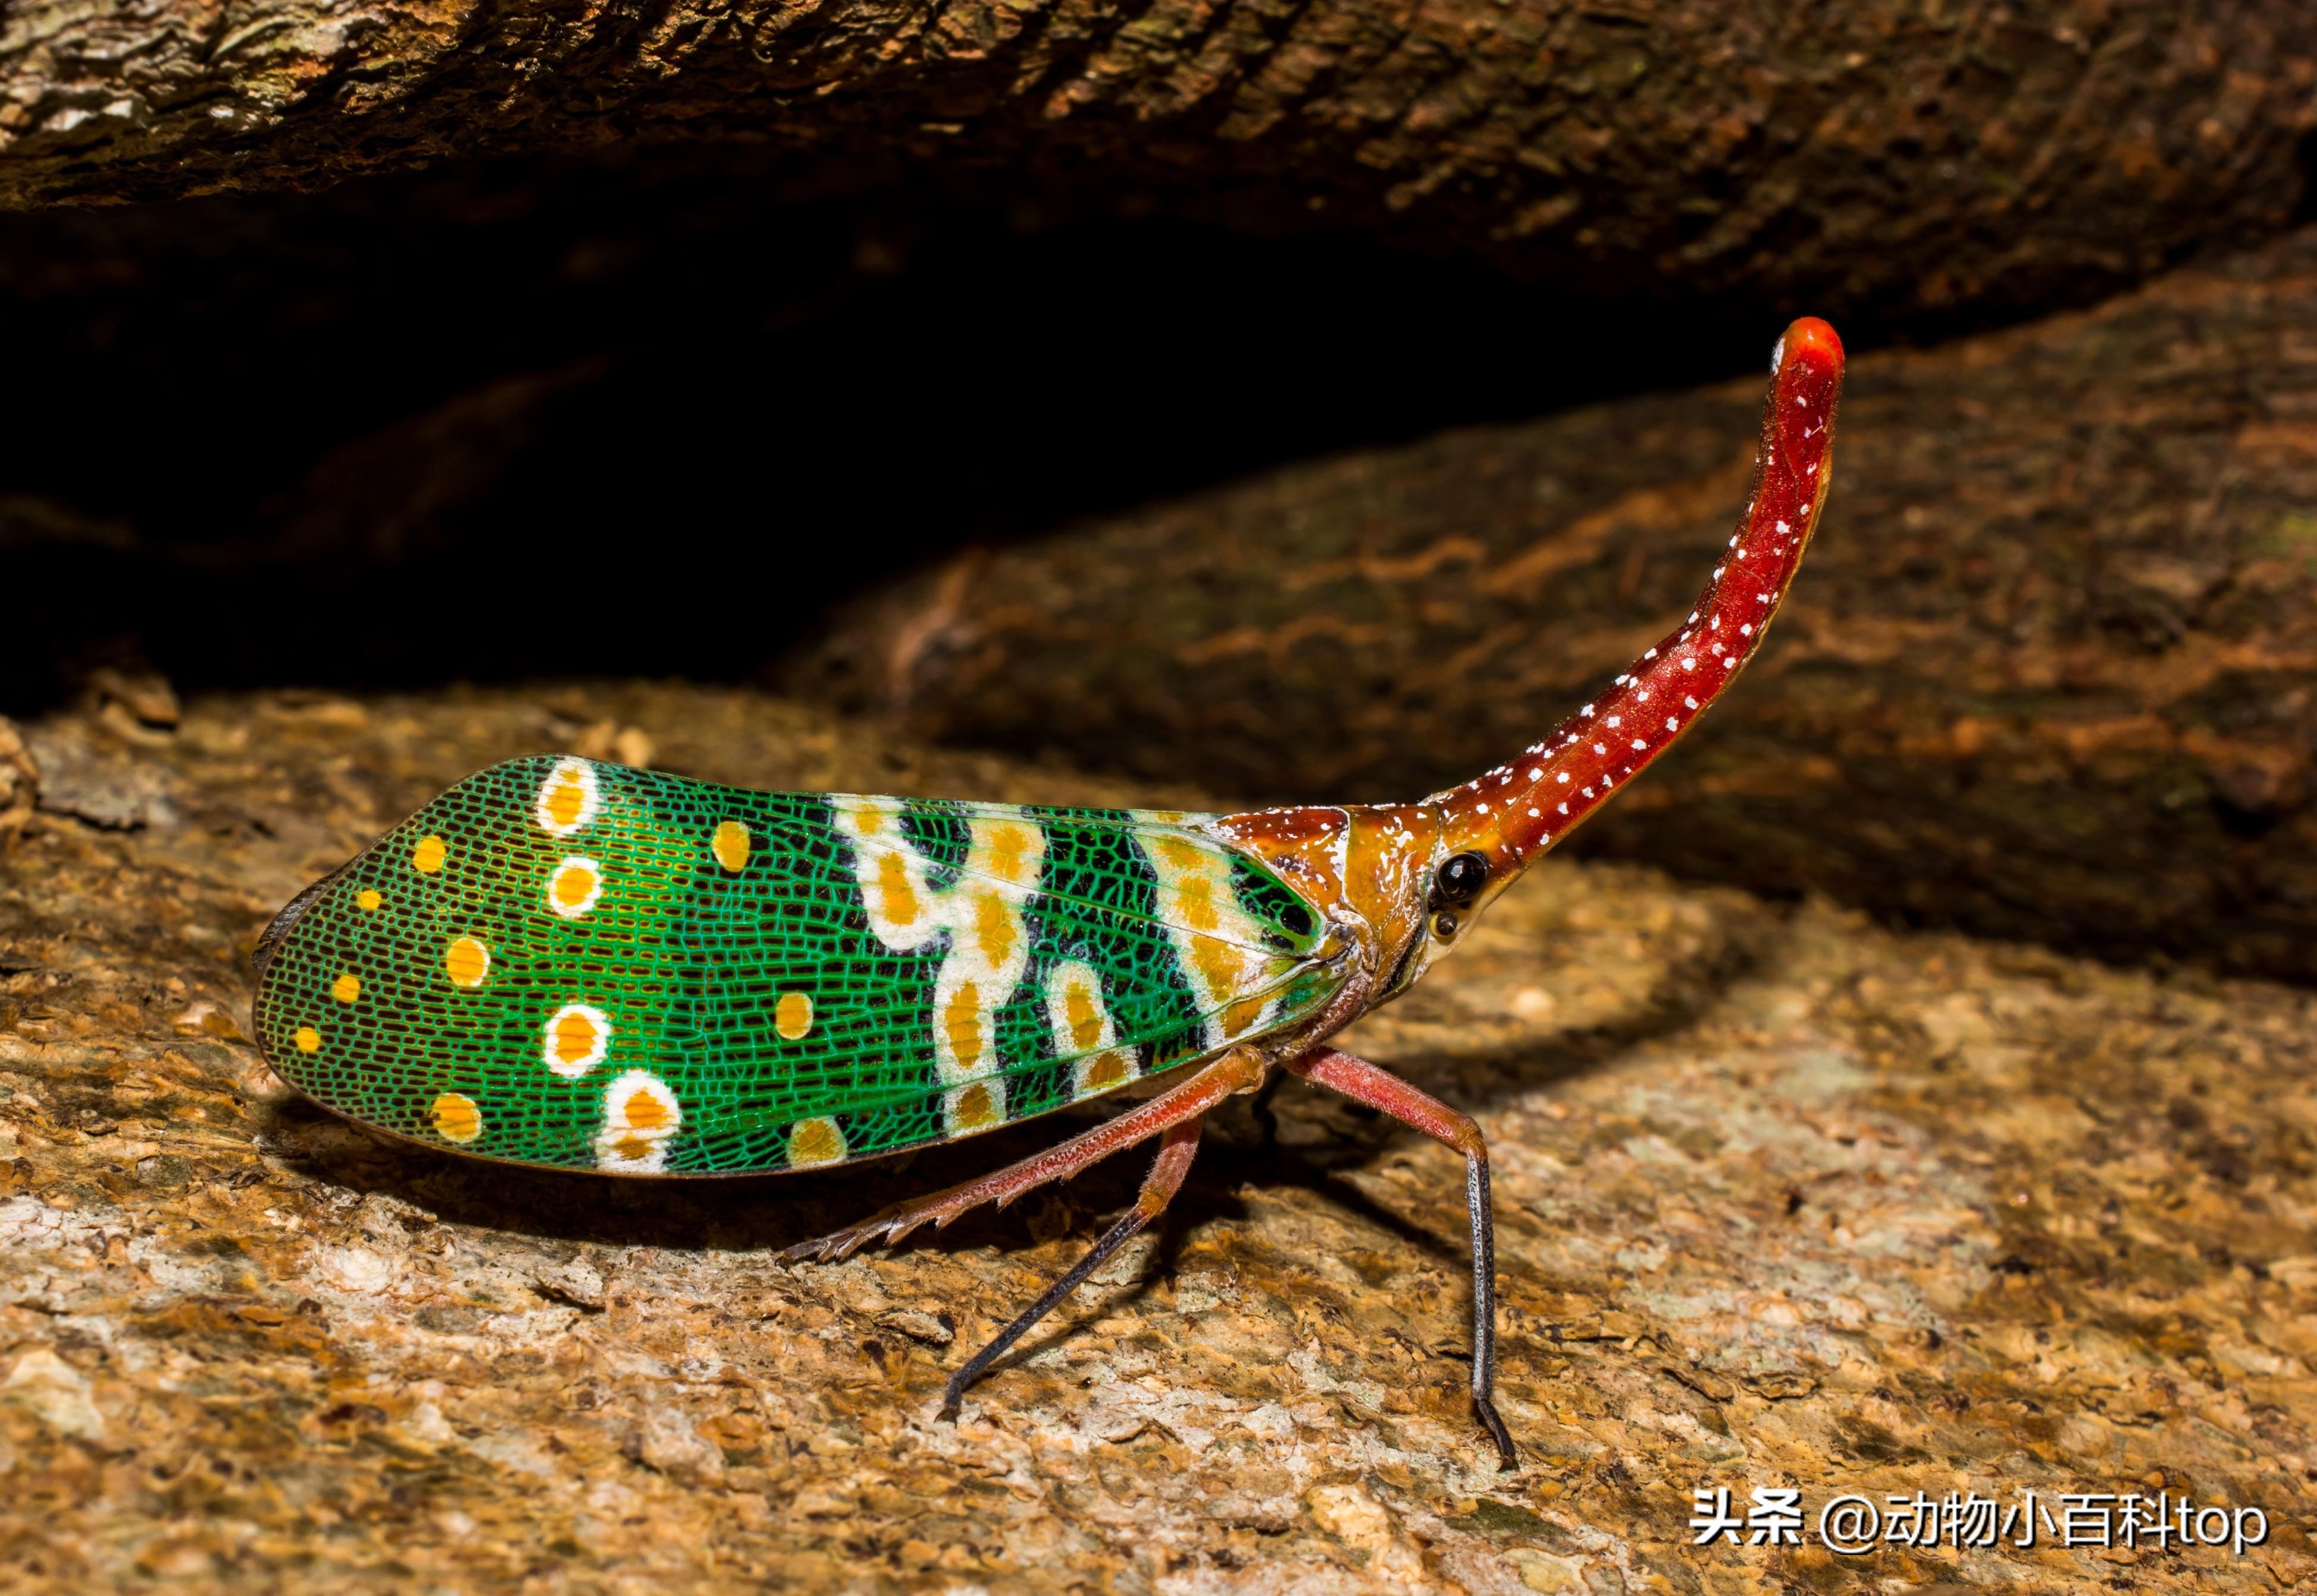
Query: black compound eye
(1459, 879)
(1443, 925)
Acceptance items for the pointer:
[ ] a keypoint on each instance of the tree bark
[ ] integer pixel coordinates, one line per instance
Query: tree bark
(2050, 671)
(1865, 159)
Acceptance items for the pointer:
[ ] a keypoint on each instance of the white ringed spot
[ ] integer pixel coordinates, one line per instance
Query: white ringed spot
(640, 1114)
(574, 885)
(466, 962)
(979, 1105)
(576, 1039)
(568, 799)
(455, 1117)
(815, 1141)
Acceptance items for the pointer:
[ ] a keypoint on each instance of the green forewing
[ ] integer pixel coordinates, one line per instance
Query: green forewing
(565, 963)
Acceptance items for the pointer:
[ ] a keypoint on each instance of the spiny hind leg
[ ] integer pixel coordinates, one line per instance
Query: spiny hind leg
(1240, 1069)
(1380, 1089)
(1158, 1189)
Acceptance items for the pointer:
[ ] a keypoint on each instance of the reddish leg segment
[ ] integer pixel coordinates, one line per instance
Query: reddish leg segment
(1363, 1081)
(1158, 1189)
(1238, 1070)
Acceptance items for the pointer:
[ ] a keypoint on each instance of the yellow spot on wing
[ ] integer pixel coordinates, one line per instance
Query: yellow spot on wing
(730, 846)
(1083, 1015)
(456, 1117)
(646, 1113)
(577, 1038)
(1008, 846)
(1084, 1027)
(465, 961)
(1218, 963)
(428, 856)
(574, 1037)
(1241, 1017)
(976, 1107)
(346, 988)
(307, 1039)
(574, 887)
(963, 1022)
(1195, 903)
(640, 1115)
(565, 802)
(994, 928)
(1178, 854)
(900, 900)
(816, 1141)
(567, 798)
(367, 901)
(792, 1015)
(1213, 934)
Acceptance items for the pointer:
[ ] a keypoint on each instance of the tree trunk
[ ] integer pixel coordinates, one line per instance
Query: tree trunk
(1867, 159)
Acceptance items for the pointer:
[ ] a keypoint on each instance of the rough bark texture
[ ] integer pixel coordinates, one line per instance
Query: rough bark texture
(2051, 671)
(1785, 1200)
(1988, 154)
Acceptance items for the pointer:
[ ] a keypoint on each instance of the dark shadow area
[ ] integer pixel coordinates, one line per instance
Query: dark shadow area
(454, 424)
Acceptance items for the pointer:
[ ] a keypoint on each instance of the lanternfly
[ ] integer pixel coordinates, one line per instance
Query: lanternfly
(574, 964)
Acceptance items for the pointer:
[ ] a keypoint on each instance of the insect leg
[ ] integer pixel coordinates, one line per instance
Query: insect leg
(1238, 1070)
(1363, 1081)
(1158, 1189)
